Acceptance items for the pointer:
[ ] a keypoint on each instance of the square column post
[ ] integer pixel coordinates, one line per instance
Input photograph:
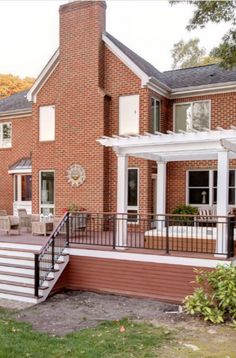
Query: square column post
(222, 201)
(122, 193)
(161, 194)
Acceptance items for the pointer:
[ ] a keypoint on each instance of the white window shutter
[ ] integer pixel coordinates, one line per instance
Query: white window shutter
(47, 123)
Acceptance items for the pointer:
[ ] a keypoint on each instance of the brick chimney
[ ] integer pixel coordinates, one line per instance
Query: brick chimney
(80, 104)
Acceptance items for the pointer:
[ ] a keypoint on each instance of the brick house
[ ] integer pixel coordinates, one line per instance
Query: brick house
(92, 88)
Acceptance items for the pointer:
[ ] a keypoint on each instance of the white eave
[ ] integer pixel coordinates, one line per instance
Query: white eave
(203, 89)
(42, 78)
(16, 113)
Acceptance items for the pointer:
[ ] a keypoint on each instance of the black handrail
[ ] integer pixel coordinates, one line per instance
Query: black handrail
(45, 260)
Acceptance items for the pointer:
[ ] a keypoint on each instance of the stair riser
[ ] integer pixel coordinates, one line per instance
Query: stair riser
(20, 246)
(18, 298)
(7, 260)
(17, 253)
(19, 289)
(13, 278)
(17, 270)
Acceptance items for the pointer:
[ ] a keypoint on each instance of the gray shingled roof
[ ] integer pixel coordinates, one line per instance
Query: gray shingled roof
(183, 78)
(15, 102)
(187, 77)
(144, 65)
(21, 164)
(198, 76)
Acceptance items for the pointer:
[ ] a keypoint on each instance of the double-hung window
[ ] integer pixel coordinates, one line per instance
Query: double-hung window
(202, 187)
(192, 115)
(5, 135)
(47, 195)
(155, 115)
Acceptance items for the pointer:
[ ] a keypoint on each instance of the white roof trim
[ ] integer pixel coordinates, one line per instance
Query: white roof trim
(20, 171)
(126, 60)
(43, 76)
(175, 146)
(203, 89)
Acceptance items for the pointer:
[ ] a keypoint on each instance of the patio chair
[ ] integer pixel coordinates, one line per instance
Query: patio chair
(206, 216)
(27, 219)
(8, 223)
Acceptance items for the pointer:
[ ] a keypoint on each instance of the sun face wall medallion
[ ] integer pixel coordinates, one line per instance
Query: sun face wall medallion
(76, 175)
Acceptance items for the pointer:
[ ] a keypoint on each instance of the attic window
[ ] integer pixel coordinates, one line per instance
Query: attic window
(5, 135)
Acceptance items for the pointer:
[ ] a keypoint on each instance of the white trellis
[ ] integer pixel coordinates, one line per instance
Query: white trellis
(219, 144)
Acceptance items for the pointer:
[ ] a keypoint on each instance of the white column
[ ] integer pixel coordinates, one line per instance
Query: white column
(222, 200)
(161, 194)
(122, 191)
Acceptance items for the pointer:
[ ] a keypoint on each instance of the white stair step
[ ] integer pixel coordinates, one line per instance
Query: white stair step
(12, 245)
(18, 288)
(11, 295)
(16, 253)
(20, 279)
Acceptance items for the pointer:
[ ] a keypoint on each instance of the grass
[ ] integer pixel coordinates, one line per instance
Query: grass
(139, 340)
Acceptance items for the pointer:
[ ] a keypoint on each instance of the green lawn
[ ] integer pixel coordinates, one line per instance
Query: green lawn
(139, 340)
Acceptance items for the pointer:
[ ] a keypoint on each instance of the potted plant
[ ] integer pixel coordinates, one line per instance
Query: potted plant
(79, 216)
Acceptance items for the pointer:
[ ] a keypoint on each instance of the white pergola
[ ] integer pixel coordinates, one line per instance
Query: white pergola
(219, 144)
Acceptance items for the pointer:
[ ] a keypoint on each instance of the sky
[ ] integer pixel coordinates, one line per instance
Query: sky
(30, 31)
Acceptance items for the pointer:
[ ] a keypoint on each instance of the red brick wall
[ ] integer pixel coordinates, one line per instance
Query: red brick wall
(21, 147)
(74, 89)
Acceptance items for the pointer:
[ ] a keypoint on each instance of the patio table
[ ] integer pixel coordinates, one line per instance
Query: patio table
(42, 228)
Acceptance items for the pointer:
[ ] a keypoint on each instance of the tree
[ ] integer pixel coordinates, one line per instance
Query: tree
(215, 12)
(10, 84)
(189, 54)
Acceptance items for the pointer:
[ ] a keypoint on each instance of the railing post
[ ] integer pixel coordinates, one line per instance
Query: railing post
(114, 232)
(230, 248)
(53, 253)
(67, 229)
(36, 275)
(167, 235)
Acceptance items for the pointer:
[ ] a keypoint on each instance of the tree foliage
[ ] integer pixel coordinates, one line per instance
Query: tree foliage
(189, 54)
(10, 84)
(216, 12)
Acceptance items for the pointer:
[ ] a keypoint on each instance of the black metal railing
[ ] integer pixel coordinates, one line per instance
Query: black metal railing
(165, 233)
(47, 258)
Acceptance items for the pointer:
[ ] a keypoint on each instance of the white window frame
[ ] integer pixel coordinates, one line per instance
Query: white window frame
(136, 208)
(156, 100)
(41, 137)
(191, 103)
(9, 143)
(211, 187)
(45, 206)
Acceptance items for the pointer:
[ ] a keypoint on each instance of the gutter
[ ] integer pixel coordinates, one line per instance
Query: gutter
(16, 112)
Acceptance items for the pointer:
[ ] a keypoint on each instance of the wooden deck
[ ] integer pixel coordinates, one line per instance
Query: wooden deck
(102, 242)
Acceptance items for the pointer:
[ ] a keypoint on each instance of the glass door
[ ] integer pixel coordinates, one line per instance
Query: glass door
(47, 202)
(22, 193)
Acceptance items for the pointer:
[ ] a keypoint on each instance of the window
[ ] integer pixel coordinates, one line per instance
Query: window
(194, 115)
(47, 123)
(133, 183)
(5, 135)
(155, 115)
(22, 188)
(202, 187)
(47, 204)
(129, 114)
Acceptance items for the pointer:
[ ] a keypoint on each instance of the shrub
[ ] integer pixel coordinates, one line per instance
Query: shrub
(184, 210)
(215, 297)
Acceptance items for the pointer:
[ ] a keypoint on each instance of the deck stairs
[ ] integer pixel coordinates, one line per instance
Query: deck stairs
(17, 272)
